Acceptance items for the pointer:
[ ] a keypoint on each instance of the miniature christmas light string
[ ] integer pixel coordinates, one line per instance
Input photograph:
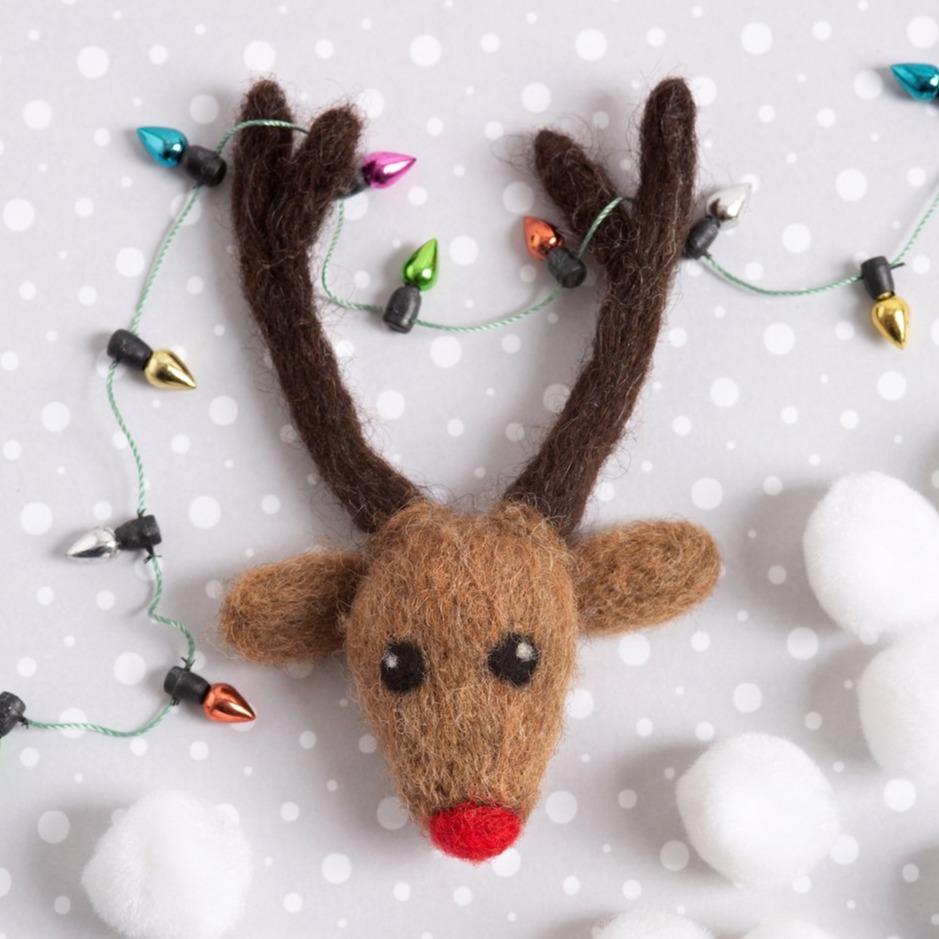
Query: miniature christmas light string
(164, 369)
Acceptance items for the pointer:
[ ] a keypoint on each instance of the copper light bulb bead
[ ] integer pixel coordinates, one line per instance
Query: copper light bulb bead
(541, 237)
(224, 704)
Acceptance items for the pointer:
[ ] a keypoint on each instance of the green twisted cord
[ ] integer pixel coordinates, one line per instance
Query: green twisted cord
(899, 258)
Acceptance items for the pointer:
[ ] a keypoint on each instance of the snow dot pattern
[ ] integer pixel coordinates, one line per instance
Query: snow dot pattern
(754, 407)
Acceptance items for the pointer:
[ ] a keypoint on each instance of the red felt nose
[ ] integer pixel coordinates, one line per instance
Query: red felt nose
(474, 832)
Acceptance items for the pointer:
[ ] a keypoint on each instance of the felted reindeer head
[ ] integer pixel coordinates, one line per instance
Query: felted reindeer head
(461, 632)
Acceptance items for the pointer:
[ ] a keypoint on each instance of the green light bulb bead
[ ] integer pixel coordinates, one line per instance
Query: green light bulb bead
(420, 269)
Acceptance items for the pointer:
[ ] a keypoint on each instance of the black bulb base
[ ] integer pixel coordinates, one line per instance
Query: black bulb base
(702, 235)
(129, 349)
(139, 534)
(12, 710)
(205, 166)
(403, 308)
(566, 268)
(183, 684)
(877, 277)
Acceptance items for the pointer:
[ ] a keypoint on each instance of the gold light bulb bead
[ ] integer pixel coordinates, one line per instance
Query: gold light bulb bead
(165, 369)
(891, 318)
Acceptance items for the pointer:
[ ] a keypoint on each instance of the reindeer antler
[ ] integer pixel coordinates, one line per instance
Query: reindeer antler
(280, 200)
(639, 251)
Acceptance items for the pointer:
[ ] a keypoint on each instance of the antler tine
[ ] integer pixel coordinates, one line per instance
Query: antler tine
(639, 253)
(280, 200)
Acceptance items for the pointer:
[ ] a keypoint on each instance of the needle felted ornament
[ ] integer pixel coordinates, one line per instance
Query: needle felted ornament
(787, 929)
(461, 631)
(652, 924)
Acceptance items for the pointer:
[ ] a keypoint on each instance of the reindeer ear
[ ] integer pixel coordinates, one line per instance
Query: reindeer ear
(642, 574)
(291, 611)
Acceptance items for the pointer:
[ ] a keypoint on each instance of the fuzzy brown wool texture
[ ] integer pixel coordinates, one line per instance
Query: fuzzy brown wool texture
(455, 586)
(639, 249)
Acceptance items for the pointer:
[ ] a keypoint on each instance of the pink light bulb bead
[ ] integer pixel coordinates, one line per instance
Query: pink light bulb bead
(382, 168)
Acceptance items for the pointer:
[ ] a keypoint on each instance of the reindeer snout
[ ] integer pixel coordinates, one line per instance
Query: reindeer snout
(474, 831)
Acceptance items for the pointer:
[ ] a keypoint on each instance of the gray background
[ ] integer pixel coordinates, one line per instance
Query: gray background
(791, 107)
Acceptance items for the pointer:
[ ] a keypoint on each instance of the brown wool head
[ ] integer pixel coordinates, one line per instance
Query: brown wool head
(461, 631)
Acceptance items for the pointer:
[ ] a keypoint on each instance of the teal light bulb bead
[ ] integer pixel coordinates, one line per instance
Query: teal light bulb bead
(420, 269)
(919, 80)
(165, 144)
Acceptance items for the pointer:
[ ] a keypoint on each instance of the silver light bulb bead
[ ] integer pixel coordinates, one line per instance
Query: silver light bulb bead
(97, 544)
(727, 206)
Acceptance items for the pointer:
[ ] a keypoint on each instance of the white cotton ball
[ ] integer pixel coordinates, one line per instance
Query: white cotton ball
(758, 810)
(649, 924)
(898, 696)
(872, 552)
(787, 929)
(171, 867)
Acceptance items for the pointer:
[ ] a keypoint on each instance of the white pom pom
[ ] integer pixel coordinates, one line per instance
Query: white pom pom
(872, 552)
(787, 929)
(758, 810)
(648, 924)
(898, 696)
(171, 867)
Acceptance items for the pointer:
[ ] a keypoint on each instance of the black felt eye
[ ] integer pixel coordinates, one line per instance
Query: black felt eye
(402, 667)
(514, 659)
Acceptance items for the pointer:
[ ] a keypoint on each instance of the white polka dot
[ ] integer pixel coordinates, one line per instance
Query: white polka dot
(446, 351)
(700, 641)
(868, 84)
(390, 404)
(571, 885)
(777, 574)
(336, 868)
(391, 814)
(825, 117)
(401, 891)
(372, 102)
(417, 195)
(87, 295)
(766, 113)
(561, 807)
(634, 649)
(703, 90)
(489, 42)
(748, 698)
(180, 444)
(259, 56)
(507, 864)
(36, 518)
(675, 855)
(129, 262)
(899, 795)
(323, 49)
(655, 36)
(29, 757)
(682, 426)
(72, 716)
(849, 419)
(455, 427)
(367, 743)
(55, 416)
(821, 30)
(199, 750)
(590, 45)
(555, 397)
(18, 214)
(796, 238)
(707, 493)
(922, 31)
(779, 338)
(910, 873)
(704, 731)
(789, 414)
(463, 250)
(205, 512)
(724, 392)
(293, 902)
(536, 97)
(307, 740)
(425, 51)
(851, 185)
(158, 55)
(772, 485)
(891, 386)
(632, 890)
(493, 130)
(678, 336)
(26, 667)
(462, 896)
(511, 343)
(270, 504)
(53, 827)
(756, 38)
(37, 114)
(434, 126)
(627, 799)
(845, 850)
(813, 720)
(223, 411)
(129, 668)
(579, 703)
(203, 109)
(802, 643)
(518, 198)
(105, 600)
(93, 62)
(84, 207)
(290, 811)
